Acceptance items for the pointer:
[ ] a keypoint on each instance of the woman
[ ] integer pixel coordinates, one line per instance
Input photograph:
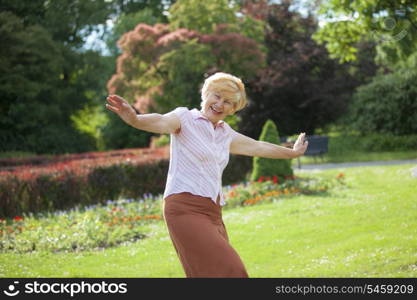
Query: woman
(200, 145)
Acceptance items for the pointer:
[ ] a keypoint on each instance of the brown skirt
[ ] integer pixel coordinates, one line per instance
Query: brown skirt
(200, 238)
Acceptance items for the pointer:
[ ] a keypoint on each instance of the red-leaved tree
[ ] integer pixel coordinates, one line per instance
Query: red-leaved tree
(161, 69)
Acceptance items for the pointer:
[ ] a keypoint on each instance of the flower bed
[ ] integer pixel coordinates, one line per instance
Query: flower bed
(78, 229)
(268, 189)
(115, 222)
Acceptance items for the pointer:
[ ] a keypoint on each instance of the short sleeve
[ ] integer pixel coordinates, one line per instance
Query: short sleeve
(230, 131)
(182, 114)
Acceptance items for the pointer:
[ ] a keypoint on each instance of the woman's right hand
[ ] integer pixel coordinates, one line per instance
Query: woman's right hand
(121, 107)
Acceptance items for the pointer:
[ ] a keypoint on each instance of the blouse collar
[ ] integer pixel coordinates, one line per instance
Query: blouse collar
(198, 115)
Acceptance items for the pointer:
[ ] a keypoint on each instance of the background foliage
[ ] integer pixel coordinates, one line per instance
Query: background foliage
(387, 105)
(391, 25)
(307, 65)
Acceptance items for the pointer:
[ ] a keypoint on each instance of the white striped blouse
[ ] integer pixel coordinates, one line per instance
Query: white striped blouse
(198, 155)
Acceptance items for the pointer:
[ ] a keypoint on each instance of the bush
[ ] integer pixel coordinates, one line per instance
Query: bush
(270, 167)
(46, 183)
(57, 191)
(387, 105)
(160, 141)
(371, 142)
(237, 169)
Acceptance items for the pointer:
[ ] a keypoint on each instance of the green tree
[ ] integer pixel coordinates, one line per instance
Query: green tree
(42, 41)
(206, 16)
(32, 115)
(387, 105)
(300, 88)
(202, 16)
(391, 25)
(67, 21)
(270, 167)
(52, 81)
(160, 70)
(127, 22)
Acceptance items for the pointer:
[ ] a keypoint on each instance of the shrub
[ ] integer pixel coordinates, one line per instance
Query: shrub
(237, 169)
(371, 142)
(44, 183)
(66, 189)
(266, 166)
(386, 105)
(160, 141)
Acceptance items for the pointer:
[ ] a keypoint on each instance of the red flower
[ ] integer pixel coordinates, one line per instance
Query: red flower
(18, 218)
(340, 175)
(275, 179)
(261, 179)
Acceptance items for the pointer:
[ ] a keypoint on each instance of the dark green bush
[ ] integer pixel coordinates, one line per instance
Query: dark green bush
(270, 167)
(387, 105)
(372, 142)
(237, 169)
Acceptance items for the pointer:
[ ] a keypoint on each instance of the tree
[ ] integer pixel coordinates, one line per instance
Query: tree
(201, 16)
(52, 82)
(115, 133)
(206, 16)
(268, 167)
(391, 25)
(387, 105)
(127, 22)
(33, 118)
(300, 88)
(157, 7)
(67, 21)
(160, 69)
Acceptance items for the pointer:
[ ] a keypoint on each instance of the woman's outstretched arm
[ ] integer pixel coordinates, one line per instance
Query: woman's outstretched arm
(244, 145)
(156, 123)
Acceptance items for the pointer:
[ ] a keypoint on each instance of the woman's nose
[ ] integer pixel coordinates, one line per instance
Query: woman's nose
(220, 103)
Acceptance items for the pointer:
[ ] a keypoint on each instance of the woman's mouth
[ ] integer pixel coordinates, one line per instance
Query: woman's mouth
(214, 111)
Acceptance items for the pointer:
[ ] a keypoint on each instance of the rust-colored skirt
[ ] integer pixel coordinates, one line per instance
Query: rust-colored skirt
(200, 238)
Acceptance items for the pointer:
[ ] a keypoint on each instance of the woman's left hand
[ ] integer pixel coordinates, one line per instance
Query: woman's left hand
(300, 145)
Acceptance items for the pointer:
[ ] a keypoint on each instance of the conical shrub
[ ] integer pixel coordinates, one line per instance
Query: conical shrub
(268, 167)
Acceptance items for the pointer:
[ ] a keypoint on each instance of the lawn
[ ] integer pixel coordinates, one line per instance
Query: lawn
(366, 229)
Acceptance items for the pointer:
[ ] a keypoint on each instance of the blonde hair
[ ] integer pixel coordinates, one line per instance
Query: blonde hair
(228, 86)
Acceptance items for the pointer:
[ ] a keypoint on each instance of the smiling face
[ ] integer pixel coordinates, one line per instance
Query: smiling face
(217, 106)
(222, 95)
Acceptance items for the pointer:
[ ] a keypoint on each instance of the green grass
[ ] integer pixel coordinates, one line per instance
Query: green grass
(368, 229)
